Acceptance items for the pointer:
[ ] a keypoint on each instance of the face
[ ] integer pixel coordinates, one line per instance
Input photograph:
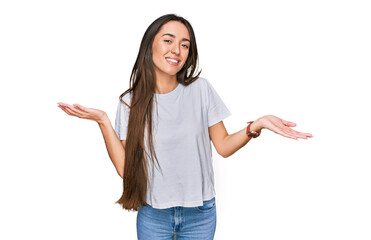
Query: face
(170, 49)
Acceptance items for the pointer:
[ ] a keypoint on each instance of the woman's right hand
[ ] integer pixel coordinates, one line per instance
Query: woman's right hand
(83, 112)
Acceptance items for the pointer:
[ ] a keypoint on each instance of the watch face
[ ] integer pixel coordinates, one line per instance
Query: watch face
(253, 134)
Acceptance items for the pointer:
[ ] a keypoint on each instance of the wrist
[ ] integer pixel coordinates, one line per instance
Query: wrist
(253, 130)
(104, 120)
(256, 126)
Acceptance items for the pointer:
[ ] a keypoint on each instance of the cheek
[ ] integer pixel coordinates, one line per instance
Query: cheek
(159, 52)
(185, 56)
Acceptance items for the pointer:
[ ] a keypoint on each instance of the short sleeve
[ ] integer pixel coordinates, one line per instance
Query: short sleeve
(216, 109)
(122, 119)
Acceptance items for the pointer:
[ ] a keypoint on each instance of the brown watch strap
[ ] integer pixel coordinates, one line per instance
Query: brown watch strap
(250, 133)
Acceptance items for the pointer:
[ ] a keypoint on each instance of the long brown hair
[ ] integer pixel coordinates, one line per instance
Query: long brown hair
(142, 87)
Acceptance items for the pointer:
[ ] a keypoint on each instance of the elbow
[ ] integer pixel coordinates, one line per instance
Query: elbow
(120, 171)
(121, 174)
(223, 154)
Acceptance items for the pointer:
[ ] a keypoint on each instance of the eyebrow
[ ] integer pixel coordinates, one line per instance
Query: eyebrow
(172, 35)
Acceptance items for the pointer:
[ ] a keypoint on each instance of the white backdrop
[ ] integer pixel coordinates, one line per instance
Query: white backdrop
(304, 61)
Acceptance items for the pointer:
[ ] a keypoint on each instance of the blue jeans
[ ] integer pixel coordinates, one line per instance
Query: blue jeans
(186, 223)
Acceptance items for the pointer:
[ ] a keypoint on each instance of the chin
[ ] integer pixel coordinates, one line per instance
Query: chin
(168, 71)
(172, 72)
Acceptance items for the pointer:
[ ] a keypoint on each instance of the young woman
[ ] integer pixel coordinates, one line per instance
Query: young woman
(170, 114)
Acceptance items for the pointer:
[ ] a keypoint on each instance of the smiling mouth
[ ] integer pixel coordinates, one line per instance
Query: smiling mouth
(172, 61)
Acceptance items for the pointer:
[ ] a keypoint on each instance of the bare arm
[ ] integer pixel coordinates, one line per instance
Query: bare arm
(115, 147)
(226, 144)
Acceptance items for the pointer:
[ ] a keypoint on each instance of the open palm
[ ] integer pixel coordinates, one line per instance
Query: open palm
(282, 127)
(83, 112)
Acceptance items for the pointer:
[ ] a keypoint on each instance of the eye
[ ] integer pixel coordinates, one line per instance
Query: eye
(167, 40)
(186, 46)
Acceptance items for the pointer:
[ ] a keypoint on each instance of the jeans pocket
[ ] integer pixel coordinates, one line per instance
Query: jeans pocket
(207, 205)
(143, 207)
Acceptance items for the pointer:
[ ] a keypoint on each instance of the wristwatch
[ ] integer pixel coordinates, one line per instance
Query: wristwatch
(250, 133)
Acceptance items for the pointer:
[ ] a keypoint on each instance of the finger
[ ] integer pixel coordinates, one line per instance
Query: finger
(64, 105)
(78, 106)
(305, 135)
(74, 109)
(294, 136)
(300, 135)
(61, 104)
(76, 112)
(66, 110)
(296, 133)
(62, 108)
(288, 123)
(285, 134)
(308, 134)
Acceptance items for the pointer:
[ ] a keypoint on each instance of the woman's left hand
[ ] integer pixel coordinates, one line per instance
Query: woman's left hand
(280, 126)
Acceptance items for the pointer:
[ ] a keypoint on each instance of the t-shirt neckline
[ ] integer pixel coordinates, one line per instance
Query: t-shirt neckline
(164, 95)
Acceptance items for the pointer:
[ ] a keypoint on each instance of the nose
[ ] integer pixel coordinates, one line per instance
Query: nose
(175, 49)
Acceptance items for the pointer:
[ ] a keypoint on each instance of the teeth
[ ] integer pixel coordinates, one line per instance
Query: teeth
(172, 60)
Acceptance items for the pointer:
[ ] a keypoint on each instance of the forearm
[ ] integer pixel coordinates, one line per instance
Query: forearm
(114, 146)
(232, 143)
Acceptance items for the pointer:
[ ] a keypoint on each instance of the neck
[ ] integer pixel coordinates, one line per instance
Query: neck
(165, 84)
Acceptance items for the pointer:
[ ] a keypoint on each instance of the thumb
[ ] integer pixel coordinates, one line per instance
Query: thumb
(288, 123)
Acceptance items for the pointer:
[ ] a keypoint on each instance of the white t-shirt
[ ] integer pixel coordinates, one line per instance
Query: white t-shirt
(182, 144)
